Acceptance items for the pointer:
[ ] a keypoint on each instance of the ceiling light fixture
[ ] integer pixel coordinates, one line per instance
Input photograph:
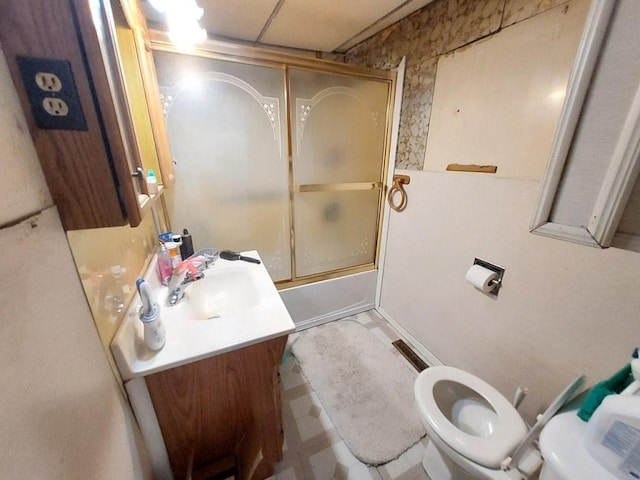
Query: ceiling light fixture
(182, 21)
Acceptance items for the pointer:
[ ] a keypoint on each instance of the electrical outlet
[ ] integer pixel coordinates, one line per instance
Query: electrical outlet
(48, 81)
(52, 92)
(55, 107)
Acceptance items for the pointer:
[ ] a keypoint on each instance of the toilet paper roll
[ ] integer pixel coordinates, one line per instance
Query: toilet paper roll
(480, 277)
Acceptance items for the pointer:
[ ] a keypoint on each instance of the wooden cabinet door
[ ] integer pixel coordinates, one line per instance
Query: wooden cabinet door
(227, 406)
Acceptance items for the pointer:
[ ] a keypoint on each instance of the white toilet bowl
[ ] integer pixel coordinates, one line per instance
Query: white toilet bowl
(472, 428)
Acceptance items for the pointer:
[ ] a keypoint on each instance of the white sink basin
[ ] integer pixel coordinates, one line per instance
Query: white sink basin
(235, 305)
(223, 292)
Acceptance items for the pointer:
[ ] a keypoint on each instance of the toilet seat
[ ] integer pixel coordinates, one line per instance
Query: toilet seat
(489, 450)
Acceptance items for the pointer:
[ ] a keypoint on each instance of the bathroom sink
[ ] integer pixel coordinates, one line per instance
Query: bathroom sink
(224, 291)
(235, 305)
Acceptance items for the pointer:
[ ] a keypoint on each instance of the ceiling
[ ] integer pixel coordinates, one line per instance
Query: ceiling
(320, 25)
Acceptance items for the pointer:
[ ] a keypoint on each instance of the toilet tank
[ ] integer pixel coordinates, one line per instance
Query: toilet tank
(605, 448)
(613, 436)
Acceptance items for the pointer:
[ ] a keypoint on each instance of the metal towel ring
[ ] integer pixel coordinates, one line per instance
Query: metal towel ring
(397, 186)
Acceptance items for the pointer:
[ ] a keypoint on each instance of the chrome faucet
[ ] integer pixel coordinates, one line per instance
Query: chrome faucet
(189, 271)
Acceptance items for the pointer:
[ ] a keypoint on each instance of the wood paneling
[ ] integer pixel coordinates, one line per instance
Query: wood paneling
(75, 163)
(227, 405)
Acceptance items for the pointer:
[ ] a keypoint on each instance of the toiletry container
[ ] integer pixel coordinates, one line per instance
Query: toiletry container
(174, 253)
(186, 249)
(152, 182)
(613, 435)
(635, 364)
(165, 268)
(154, 334)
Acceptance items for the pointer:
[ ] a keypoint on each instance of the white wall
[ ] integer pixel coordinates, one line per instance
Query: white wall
(63, 415)
(22, 186)
(564, 309)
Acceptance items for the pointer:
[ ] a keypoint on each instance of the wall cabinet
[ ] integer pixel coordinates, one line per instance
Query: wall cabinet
(222, 413)
(93, 173)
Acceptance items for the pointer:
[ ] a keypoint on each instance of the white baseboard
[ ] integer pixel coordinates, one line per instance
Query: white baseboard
(425, 354)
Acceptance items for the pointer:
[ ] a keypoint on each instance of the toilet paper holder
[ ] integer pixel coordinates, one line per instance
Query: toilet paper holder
(495, 268)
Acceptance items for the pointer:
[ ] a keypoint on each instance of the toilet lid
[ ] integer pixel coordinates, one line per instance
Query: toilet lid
(489, 450)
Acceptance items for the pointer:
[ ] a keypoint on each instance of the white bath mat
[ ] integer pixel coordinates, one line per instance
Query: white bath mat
(366, 390)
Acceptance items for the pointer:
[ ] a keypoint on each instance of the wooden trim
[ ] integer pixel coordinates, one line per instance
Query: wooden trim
(152, 94)
(566, 232)
(579, 81)
(110, 94)
(457, 167)
(619, 180)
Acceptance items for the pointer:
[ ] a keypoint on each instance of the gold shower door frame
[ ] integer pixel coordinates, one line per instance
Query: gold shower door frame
(232, 52)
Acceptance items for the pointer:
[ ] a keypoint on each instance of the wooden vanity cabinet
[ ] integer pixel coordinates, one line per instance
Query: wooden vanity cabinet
(92, 172)
(222, 413)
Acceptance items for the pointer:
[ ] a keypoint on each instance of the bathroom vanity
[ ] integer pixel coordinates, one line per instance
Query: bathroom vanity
(209, 401)
(222, 412)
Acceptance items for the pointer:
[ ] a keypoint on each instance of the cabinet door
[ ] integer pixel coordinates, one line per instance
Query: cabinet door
(226, 406)
(92, 172)
(131, 99)
(76, 163)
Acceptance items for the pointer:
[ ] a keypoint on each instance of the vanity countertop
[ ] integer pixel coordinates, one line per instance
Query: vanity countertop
(189, 336)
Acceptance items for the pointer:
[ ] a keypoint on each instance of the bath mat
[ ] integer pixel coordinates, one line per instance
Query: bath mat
(365, 389)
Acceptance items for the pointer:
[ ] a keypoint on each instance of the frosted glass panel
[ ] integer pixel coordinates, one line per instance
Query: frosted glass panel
(224, 122)
(335, 230)
(339, 129)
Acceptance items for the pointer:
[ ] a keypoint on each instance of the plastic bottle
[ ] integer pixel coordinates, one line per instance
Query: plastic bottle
(186, 249)
(154, 332)
(152, 183)
(165, 268)
(174, 253)
(635, 364)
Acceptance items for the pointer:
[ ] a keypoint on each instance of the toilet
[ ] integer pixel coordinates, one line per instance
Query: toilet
(576, 450)
(474, 431)
(471, 426)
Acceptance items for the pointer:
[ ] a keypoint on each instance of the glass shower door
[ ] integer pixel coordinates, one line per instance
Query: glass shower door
(338, 150)
(226, 124)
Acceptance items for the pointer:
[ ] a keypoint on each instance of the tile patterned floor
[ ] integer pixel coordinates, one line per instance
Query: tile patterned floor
(313, 449)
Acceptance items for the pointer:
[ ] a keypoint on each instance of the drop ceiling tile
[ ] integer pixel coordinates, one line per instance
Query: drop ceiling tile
(242, 19)
(324, 25)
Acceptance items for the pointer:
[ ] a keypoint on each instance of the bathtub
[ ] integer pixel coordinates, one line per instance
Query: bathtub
(321, 302)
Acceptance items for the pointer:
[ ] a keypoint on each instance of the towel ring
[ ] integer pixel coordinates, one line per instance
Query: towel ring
(397, 186)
